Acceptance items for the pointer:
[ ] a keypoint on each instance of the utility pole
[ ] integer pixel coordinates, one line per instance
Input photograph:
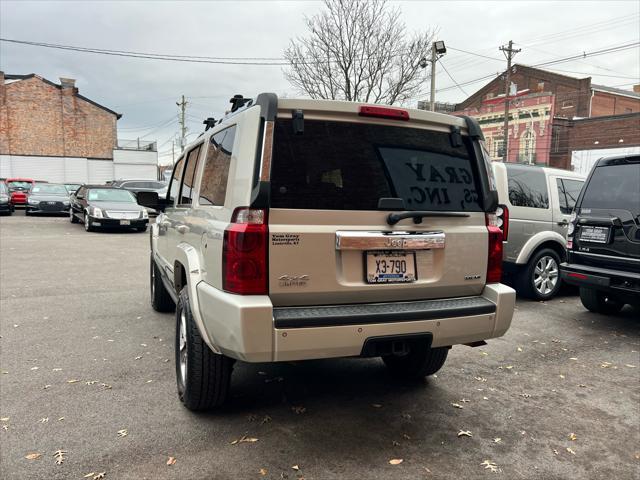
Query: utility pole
(509, 52)
(434, 58)
(183, 126)
(173, 152)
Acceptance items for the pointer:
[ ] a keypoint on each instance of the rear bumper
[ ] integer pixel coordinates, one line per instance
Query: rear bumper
(604, 279)
(249, 328)
(114, 223)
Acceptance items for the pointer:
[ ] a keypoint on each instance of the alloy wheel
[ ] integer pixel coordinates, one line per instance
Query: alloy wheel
(182, 352)
(545, 275)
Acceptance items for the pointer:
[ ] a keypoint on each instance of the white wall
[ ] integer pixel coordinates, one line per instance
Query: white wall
(583, 160)
(50, 169)
(135, 156)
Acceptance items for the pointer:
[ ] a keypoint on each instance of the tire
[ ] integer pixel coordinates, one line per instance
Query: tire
(420, 362)
(72, 217)
(161, 301)
(540, 279)
(87, 224)
(203, 377)
(27, 213)
(598, 301)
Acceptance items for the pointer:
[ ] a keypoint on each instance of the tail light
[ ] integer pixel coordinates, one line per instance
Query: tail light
(494, 258)
(244, 254)
(502, 212)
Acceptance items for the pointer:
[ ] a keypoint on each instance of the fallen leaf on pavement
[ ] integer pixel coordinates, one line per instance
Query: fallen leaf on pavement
(572, 436)
(464, 400)
(497, 440)
(89, 475)
(525, 395)
(457, 405)
(138, 357)
(509, 367)
(629, 365)
(299, 410)
(480, 379)
(396, 461)
(60, 456)
(465, 433)
(99, 476)
(244, 439)
(519, 349)
(582, 385)
(57, 370)
(376, 405)
(33, 456)
(123, 432)
(263, 471)
(570, 451)
(573, 358)
(46, 387)
(489, 465)
(44, 420)
(296, 467)
(171, 461)
(73, 380)
(555, 452)
(34, 368)
(60, 419)
(266, 419)
(4, 419)
(406, 437)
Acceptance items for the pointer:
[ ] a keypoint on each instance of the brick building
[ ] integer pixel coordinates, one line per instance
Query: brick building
(575, 113)
(50, 132)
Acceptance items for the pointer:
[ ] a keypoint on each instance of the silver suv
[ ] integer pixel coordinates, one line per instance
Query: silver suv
(534, 213)
(305, 229)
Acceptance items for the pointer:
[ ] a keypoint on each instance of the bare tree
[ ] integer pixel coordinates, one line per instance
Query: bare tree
(359, 50)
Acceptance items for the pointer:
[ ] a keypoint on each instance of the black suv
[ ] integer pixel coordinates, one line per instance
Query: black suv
(603, 243)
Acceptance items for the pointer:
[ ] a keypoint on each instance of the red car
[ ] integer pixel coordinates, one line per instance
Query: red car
(19, 189)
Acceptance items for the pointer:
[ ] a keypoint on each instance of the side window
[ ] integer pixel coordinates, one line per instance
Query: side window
(174, 186)
(190, 170)
(571, 190)
(213, 187)
(562, 198)
(527, 187)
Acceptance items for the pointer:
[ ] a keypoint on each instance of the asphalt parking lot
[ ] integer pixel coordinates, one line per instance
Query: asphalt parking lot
(87, 368)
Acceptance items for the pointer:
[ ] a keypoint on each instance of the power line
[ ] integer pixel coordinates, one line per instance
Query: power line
(452, 79)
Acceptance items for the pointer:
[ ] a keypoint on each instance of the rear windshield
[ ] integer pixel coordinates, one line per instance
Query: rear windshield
(614, 187)
(350, 166)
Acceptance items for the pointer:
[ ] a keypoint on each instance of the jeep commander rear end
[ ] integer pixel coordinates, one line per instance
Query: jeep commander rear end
(304, 229)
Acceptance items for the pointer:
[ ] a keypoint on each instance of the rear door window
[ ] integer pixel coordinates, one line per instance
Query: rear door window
(527, 187)
(351, 166)
(568, 191)
(186, 195)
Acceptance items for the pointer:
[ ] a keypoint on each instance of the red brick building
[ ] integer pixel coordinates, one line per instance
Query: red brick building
(38, 117)
(50, 132)
(578, 115)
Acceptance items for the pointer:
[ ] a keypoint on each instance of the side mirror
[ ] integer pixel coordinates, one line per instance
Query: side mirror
(151, 200)
(80, 197)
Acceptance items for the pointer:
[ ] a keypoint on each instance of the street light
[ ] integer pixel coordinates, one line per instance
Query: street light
(438, 49)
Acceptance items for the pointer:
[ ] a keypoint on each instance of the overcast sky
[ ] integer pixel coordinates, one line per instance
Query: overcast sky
(145, 91)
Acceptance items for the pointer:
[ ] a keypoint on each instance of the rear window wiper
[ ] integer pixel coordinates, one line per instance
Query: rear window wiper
(418, 215)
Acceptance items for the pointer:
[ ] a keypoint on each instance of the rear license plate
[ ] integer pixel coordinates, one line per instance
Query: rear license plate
(594, 234)
(391, 267)
(51, 203)
(125, 222)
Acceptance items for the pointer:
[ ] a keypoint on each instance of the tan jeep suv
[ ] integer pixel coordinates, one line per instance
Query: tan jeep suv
(305, 229)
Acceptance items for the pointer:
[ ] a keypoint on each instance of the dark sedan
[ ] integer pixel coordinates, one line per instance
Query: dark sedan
(6, 204)
(105, 207)
(47, 198)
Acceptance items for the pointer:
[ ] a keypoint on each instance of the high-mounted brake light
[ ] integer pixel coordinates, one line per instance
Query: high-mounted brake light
(494, 257)
(244, 253)
(383, 112)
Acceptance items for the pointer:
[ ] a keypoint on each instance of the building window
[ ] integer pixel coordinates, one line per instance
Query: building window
(567, 104)
(498, 148)
(555, 139)
(528, 146)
